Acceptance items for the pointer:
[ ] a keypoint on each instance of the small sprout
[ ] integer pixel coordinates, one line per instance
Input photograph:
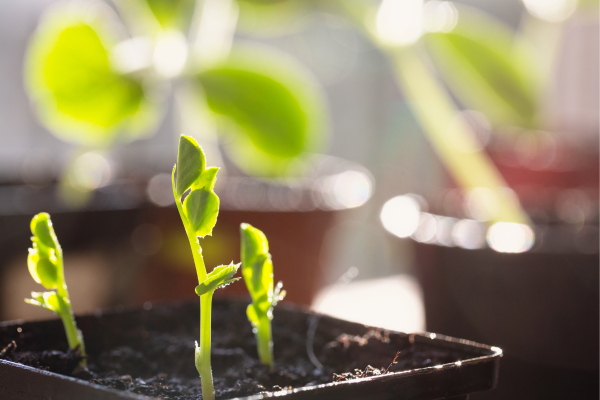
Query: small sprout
(45, 263)
(198, 211)
(257, 270)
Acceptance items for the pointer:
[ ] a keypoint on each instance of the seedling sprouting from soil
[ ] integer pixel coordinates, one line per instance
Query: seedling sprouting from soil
(198, 211)
(257, 270)
(45, 262)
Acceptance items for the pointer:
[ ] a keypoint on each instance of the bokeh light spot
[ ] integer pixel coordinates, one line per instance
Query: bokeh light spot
(400, 215)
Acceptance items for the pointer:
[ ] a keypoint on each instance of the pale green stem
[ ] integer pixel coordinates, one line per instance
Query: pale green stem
(203, 364)
(202, 357)
(265, 341)
(74, 336)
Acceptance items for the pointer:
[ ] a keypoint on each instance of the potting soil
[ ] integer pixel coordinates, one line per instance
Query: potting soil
(151, 352)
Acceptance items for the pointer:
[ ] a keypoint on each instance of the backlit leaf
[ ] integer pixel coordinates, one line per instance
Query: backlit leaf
(252, 315)
(207, 179)
(220, 276)
(48, 300)
(257, 267)
(190, 163)
(43, 232)
(45, 257)
(201, 208)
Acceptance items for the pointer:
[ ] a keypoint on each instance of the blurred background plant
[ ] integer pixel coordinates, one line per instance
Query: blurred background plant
(97, 81)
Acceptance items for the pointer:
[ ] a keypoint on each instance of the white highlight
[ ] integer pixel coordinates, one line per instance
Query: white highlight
(469, 234)
(90, 171)
(170, 53)
(215, 31)
(443, 234)
(551, 10)
(439, 16)
(400, 22)
(426, 229)
(132, 55)
(351, 189)
(400, 215)
(510, 237)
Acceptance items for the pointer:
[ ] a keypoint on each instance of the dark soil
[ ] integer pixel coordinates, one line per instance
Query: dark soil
(151, 351)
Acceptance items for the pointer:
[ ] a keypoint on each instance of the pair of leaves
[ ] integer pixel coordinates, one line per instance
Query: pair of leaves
(45, 257)
(256, 311)
(220, 277)
(257, 270)
(201, 206)
(48, 300)
(478, 61)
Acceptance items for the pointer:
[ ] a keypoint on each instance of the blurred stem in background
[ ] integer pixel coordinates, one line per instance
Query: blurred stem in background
(451, 138)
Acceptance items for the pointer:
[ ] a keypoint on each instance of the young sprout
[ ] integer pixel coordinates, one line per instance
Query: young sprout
(257, 270)
(198, 212)
(45, 262)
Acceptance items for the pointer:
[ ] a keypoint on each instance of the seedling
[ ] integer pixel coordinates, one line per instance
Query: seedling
(45, 262)
(198, 210)
(257, 270)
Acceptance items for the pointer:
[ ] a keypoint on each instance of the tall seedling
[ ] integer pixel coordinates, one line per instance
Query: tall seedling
(45, 262)
(257, 270)
(198, 210)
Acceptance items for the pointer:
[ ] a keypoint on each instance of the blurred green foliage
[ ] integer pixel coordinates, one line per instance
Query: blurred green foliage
(78, 95)
(266, 103)
(274, 108)
(478, 62)
(171, 13)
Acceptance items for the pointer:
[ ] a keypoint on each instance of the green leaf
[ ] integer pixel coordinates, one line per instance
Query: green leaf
(252, 315)
(172, 13)
(201, 208)
(190, 163)
(257, 267)
(273, 17)
(77, 93)
(44, 268)
(254, 243)
(45, 257)
(477, 61)
(207, 179)
(43, 232)
(219, 277)
(271, 107)
(48, 300)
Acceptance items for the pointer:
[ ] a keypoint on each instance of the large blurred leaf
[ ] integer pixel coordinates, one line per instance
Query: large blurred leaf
(477, 61)
(172, 13)
(273, 17)
(275, 110)
(77, 93)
